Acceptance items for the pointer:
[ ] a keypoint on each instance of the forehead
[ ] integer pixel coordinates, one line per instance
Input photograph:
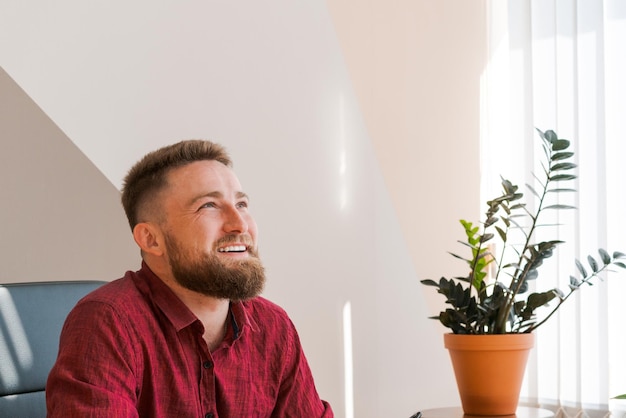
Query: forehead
(202, 177)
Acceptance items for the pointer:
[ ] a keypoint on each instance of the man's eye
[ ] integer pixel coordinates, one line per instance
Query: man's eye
(242, 205)
(208, 205)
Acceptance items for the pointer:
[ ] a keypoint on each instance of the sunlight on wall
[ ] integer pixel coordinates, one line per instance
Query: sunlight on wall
(15, 338)
(347, 359)
(343, 165)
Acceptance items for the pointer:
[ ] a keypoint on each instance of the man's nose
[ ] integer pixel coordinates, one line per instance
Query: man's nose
(234, 221)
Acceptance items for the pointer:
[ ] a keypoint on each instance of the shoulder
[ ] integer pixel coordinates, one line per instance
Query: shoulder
(110, 303)
(116, 293)
(261, 308)
(115, 315)
(261, 314)
(101, 317)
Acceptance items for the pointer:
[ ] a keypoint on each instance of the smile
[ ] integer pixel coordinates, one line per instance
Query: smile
(232, 249)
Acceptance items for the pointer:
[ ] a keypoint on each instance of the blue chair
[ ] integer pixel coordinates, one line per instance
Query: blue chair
(31, 318)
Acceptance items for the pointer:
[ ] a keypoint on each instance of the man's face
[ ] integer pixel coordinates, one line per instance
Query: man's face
(209, 233)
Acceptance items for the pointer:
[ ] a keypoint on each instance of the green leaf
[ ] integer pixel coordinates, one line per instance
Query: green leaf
(509, 187)
(532, 274)
(501, 233)
(468, 244)
(549, 136)
(490, 221)
(581, 268)
(541, 133)
(486, 237)
(482, 255)
(429, 282)
(562, 156)
(563, 166)
(562, 177)
(592, 263)
(459, 257)
(536, 300)
(574, 283)
(559, 144)
(606, 258)
(560, 190)
(559, 206)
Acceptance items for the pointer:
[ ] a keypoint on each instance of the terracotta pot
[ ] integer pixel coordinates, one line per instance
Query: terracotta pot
(489, 370)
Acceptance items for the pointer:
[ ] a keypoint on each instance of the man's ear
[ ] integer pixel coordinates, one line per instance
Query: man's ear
(149, 238)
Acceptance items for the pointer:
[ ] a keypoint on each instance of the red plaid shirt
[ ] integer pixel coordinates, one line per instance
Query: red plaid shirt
(133, 349)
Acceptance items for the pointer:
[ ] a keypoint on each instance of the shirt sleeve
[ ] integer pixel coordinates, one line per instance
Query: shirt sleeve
(94, 375)
(297, 396)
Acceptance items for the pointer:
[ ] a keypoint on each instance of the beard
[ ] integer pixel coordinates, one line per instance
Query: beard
(205, 273)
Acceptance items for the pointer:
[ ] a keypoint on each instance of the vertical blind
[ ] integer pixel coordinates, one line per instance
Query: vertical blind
(561, 65)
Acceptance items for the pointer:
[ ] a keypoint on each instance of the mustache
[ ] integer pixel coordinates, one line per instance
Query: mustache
(235, 239)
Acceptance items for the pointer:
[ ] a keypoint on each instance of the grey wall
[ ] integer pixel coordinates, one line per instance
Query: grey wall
(60, 218)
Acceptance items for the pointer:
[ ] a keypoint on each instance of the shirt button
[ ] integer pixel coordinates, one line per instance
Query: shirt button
(207, 365)
(209, 415)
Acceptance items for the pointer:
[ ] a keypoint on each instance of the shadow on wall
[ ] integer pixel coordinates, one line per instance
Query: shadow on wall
(60, 219)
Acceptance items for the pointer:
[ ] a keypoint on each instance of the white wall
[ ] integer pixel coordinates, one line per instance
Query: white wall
(353, 126)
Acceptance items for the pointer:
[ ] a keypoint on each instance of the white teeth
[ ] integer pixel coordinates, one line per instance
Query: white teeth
(232, 248)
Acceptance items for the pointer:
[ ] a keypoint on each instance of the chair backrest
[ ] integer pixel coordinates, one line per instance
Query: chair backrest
(31, 318)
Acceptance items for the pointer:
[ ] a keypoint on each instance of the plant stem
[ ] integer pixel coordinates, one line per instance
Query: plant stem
(519, 277)
(563, 299)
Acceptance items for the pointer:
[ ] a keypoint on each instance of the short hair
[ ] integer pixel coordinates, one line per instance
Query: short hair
(149, 175)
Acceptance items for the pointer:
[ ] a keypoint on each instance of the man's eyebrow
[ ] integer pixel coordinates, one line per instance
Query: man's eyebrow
(242, 195)
(217, 195)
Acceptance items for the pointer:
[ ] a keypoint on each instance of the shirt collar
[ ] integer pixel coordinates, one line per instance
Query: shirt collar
(164, 298)
(242, 317)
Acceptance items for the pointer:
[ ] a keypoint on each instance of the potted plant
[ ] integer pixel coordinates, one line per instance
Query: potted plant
(488, 310)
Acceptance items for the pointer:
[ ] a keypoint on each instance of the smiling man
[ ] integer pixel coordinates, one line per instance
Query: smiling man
(188, 334)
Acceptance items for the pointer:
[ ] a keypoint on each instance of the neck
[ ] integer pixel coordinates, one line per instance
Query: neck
(211, 311)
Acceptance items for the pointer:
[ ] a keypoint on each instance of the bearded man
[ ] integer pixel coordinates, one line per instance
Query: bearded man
(188, 334)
